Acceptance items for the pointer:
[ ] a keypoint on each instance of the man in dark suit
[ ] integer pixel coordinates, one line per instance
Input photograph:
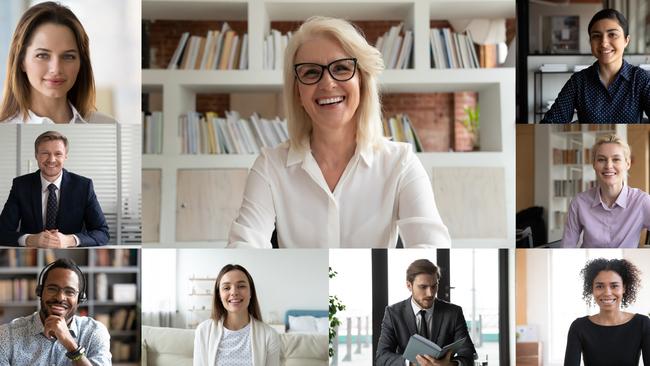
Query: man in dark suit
(52, 208)
(424, 314)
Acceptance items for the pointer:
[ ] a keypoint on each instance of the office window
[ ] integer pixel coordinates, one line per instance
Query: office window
(474, 280)
(353, 286)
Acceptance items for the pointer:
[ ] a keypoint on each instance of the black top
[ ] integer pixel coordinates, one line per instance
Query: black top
(618, 345)
(623, 101)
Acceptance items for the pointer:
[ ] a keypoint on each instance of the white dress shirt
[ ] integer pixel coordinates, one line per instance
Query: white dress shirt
(22, 241)
(428, 316)
(32, 118)
(379, 191)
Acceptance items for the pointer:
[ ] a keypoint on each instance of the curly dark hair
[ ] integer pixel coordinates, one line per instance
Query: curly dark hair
(629, 273)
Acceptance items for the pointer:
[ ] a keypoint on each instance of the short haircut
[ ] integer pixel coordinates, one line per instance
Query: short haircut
(65, 263)
(17, 88)
(609, 14)
(421, 266)
(629, 273)
(369, 64)
(218, 311)
(50, 136)
(611, 139)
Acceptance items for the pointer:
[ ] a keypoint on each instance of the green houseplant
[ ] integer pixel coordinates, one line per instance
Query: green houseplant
(335, 306)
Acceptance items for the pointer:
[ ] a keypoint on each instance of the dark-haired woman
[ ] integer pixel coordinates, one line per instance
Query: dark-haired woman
(49, 74)
(235, 333)
(611, 90)
(612, 336)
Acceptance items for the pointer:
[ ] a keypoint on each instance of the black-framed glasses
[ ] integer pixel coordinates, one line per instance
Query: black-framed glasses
(340, 70)
(54, 290)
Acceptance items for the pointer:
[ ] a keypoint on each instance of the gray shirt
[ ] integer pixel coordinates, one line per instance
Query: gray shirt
(22, 342)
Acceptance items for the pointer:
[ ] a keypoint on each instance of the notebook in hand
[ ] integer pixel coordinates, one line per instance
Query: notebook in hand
(419, 345)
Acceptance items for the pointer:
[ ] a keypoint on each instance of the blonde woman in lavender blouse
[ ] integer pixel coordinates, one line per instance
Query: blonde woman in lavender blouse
(612, 214)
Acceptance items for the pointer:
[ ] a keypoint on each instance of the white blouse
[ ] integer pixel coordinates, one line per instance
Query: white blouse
(32, 118)
(379, 191)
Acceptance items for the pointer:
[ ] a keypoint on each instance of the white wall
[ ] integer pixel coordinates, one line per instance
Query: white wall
(284, 279)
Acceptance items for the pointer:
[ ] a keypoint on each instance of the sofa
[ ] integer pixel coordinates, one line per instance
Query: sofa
(174, 347)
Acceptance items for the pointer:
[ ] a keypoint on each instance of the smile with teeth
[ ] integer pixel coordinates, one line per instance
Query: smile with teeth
(328, 101)
(608, 301)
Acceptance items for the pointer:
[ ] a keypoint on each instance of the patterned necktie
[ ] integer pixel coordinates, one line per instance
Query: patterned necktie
(51, 210)
(423, 325)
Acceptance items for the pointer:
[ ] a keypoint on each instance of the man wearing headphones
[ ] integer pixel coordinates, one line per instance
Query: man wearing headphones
(55, 335)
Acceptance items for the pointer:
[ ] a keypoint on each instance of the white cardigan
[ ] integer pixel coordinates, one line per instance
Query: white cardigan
(265, 343)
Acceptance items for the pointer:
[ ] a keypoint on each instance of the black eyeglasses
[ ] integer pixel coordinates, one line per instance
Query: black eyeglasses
(340, 70)
(54, 290)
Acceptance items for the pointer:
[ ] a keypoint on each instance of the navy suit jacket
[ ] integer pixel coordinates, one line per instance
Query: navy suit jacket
(79, 212)
(399, 325)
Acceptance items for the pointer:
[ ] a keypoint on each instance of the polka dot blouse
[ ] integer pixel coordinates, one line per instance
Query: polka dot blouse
(624, 101)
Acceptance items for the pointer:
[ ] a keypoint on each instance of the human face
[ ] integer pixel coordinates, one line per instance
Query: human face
(51, 62)
(423, 289)
(50, 156)
(329, 103)
(60, 293)
(235, 291)
(608, 290)
(610, 165)
(608, 41)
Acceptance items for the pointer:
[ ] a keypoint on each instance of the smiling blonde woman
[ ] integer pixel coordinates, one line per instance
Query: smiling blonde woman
(611, 214)
(338, 182)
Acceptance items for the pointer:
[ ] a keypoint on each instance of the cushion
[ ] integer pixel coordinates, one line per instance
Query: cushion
(168, 346)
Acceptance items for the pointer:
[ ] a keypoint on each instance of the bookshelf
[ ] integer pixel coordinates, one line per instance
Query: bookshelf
(495, 87)
(576, 175)
(91, 265)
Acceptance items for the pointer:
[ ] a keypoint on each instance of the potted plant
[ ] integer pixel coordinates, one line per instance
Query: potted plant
(467, 130)
(335, 306)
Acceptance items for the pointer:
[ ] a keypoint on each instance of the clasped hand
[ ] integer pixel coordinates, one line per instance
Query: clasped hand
(50, 239)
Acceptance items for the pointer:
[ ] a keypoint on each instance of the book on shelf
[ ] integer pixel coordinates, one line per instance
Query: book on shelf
(218, 50)
(560, 219)
(18, 258)
(120, 257)
(17, 289)
(119, 320)
(122, 351)
(210, 134)
(152, 132)
(273, 51)
(571, 187)
(400, 129)
(571, 156)
(452, 50)
(396, 47)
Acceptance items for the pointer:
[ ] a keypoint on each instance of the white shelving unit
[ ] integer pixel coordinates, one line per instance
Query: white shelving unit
(496, 89)
(548, 137)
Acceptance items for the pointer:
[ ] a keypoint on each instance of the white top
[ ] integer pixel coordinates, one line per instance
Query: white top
(378, 191)
(428, 315)
(32, 118)
(235, 347)
(264, 345)
(22, 241)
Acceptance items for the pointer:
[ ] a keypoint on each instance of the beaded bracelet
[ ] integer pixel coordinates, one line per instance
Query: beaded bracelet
(77, 354)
